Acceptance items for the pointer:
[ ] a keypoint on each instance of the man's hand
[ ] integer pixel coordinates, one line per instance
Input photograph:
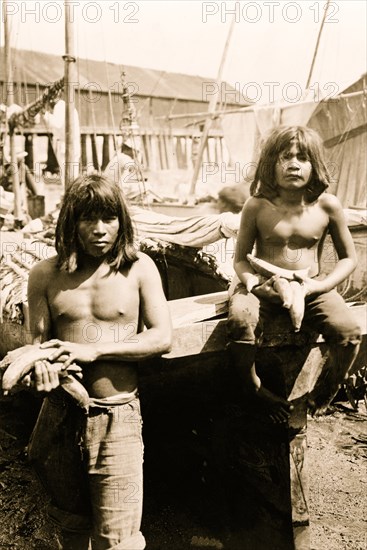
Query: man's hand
(47, 376)
(44, 378)
(81, 353)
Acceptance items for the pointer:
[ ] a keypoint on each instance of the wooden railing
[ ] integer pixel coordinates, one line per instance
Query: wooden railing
(160, 149)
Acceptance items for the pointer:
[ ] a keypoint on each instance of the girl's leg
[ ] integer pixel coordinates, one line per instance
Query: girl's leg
(330, 315)
(243, 330)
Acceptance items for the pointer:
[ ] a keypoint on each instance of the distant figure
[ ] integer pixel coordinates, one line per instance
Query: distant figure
(232, 198)
(285, 222)
(123, 170)
(195, 147)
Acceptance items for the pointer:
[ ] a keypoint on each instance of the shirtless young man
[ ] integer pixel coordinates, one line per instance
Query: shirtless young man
(286, 220)
(92, 301)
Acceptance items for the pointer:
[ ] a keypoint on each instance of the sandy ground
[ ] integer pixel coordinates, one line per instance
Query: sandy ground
(337, 452)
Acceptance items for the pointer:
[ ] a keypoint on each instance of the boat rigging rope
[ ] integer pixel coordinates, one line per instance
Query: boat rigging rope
(127, 123)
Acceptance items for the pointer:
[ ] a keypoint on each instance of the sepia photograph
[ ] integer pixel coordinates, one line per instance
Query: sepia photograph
(183, 288)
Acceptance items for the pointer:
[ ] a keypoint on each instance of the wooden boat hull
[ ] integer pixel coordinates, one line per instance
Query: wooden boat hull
(217, 461)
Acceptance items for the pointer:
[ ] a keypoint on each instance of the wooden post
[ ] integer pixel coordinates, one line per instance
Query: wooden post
(15, 182)
(145, 150)
(211, 110)
(105, 151)
(52, 164)
(9, 99)
(180, 153)
(94, 152)
(84, 155)
(70, 80)
(29, 159)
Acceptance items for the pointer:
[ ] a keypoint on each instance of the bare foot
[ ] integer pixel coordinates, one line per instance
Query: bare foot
(319, 399)
(276, 407)
(319, 410)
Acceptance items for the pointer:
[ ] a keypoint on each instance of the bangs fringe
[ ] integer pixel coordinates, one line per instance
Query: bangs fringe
(279, 140)
(93, 196)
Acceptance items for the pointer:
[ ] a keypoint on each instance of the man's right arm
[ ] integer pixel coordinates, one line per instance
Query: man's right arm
(46, 378)
(39, 313)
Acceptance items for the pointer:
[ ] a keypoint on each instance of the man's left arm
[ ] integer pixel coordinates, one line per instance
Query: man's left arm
(155, 340)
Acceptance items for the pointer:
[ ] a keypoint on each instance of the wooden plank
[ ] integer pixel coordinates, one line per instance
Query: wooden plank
(198, 308)
(197, 338)
(299, 489)
(209, 336)
(309, 373)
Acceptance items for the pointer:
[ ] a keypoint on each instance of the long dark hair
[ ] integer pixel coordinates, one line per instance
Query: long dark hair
(280, 140)
(90, 196)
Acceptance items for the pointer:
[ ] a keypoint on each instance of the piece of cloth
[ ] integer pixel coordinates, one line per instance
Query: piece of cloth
(195, 231)
(328, 314)
(91, 466)
(117, 399)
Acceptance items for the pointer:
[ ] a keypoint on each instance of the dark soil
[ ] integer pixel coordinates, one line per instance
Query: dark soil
(337, 452)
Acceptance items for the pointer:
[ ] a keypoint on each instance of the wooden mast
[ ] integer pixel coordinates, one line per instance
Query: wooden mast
(317, 45)
(70, 81)
(211, 110)
(10, 92)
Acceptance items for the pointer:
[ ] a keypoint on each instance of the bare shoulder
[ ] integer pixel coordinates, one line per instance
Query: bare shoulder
(253, 206)
(144, 261)
(43, 270)
(254, 203)
(144, 266)
(330, 203)
(148, 277)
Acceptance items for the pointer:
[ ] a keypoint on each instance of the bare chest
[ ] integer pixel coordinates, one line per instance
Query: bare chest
(300, 227)
(105, 299)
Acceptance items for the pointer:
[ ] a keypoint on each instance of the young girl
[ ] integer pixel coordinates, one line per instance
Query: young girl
(285, 222)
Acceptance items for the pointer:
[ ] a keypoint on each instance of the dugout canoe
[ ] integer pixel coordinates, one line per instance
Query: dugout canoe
(240, 481)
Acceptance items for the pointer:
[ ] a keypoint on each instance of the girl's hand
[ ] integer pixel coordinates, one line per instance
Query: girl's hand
(251, 281)
(311, 287)
(267, 291)
(70, 352)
